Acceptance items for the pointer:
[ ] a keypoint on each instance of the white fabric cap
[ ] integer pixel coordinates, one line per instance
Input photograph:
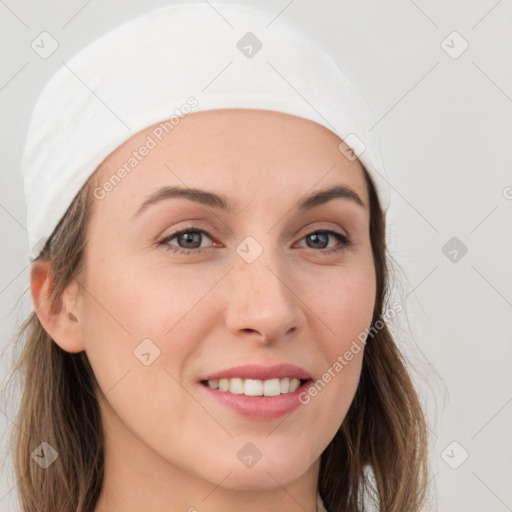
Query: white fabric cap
(177, 60)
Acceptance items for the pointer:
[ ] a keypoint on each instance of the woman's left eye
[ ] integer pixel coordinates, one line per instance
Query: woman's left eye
(191, 238)
(322, 236)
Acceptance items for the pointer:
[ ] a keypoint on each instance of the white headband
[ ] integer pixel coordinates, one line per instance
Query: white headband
(173, 61)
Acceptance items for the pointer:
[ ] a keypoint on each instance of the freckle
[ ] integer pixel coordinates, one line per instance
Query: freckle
(72, 317)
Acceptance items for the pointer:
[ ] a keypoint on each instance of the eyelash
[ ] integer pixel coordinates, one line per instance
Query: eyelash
(342, 239)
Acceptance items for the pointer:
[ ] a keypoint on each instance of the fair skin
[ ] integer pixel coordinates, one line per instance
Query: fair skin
(169, 445)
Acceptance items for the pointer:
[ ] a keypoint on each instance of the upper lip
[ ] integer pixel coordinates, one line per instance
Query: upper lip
(279, 371)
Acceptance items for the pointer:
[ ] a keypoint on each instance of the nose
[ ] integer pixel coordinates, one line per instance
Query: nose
(261, 301)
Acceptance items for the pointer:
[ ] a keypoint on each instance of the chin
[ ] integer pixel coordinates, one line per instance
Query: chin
(272, 470)
(261, 479)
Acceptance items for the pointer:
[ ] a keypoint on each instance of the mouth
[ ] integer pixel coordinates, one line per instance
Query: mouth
(258, 392)
(262, 400)
(256, 387)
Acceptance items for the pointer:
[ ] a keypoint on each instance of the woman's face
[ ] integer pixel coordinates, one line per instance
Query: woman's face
(258, 285)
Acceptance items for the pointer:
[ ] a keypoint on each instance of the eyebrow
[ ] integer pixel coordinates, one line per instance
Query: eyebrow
(221, 202)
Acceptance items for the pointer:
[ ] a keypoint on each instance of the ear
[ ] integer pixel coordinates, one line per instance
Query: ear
(60, 319)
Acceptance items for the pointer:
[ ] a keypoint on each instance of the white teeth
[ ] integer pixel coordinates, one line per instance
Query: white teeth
(214, 383)
(294, 384)
(255, 387)
(236, 386)
(272, 387)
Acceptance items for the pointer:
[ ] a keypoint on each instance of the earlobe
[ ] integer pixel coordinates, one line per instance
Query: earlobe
(59, 319)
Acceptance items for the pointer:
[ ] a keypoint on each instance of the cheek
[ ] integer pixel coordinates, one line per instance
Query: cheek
(138, 341)
(346, 303)
(343, 313)
(352, 309)
(136, 319)
(143, 302)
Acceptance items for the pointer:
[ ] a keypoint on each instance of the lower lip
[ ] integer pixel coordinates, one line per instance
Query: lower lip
(259, 407)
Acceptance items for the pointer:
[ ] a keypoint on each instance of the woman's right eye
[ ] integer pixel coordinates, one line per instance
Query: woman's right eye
(186, 236)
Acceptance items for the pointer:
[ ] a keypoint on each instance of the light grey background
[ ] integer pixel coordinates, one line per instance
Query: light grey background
(445, 125)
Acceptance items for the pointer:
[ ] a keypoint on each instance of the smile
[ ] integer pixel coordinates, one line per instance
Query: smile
(256, 387)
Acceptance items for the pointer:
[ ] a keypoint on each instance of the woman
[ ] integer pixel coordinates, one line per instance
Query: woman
(209, 280)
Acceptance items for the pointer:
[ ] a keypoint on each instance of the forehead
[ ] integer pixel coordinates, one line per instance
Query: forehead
(242, 151)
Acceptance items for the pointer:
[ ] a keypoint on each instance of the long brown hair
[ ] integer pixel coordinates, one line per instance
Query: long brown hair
(379, 453)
